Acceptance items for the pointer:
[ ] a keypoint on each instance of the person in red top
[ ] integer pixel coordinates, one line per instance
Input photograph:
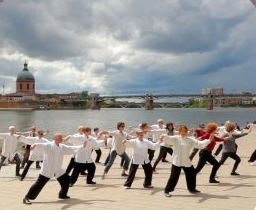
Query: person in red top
(198, 133)
(205, 154)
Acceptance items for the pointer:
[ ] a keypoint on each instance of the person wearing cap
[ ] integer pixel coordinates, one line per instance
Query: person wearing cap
(52, 167)
(140, 147)
(9, 150)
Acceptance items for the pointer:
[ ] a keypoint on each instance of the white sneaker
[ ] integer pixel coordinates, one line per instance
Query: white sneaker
(26, 201)
(251, 163)
(126, 187)
(166, 194)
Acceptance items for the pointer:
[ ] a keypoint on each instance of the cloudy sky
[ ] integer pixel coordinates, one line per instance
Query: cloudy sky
(129, 46)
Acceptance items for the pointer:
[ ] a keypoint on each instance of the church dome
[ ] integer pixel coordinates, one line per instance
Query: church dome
(25, 75)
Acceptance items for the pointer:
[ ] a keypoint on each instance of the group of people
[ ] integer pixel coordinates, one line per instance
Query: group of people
(177, 140)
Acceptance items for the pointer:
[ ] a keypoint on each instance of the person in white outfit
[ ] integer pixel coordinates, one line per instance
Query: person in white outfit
(151, 135)
(52, 167)
(31, 133)
(98, 151)
(34, 154)
(75, 140)
(140, 148)
(9, 150)
(83, 158)
(182, 144)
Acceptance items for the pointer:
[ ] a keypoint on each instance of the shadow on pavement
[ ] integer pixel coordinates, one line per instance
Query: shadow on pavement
(72, 202)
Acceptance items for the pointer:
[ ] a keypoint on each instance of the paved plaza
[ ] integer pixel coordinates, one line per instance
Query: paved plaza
(234, 192)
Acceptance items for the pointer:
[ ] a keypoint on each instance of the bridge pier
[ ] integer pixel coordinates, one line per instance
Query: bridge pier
(210, 102)
(93, 101)
(149, 102)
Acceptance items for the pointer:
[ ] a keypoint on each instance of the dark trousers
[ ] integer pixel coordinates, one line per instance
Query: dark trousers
(163, 150)
(70, 165)
(206, 156)
(42, 180)
(122, 162)
(193, 153)
(151, 154)
(112, 158)
(25, 171)
(98, 152)
(37, 164)
(17, 160)
(218, 150)
(147, 171)
(79, 167)
(107, 159)
(232, 155)
(25, 156)
(174, 177)
(164, 156)
(253, 156)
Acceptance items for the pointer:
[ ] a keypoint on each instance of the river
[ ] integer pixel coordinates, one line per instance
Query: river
(66, 121)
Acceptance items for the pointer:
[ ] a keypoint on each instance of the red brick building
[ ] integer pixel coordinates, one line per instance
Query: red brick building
(25, 82)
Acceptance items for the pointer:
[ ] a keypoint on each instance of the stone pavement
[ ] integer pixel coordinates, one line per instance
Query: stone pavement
(234, 192)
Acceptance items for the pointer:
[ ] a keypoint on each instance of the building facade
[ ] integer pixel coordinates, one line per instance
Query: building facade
(25, 82)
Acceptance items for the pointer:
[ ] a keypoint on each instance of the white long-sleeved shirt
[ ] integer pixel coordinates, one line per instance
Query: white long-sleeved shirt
(53, 158)
(35, 154)
(140, 150)
(117, 144)
(109, 143)
(10, 142)
(157, 132)
(168, 145)
(84, 154)
(76, 139)
(182, 147)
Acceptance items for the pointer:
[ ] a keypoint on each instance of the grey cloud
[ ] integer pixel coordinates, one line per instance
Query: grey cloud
(35, 31)
(83, 32)
(50, 30)
(10, 69)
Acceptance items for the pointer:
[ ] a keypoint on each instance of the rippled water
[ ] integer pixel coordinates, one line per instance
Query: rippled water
(66, 121)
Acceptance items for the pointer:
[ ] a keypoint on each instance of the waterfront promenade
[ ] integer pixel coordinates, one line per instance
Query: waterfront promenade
(234, 192)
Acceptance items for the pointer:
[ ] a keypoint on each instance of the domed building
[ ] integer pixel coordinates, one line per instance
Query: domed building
(25, 82)
(25, 96)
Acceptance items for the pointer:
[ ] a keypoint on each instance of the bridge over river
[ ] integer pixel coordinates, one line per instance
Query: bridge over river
(150, 99)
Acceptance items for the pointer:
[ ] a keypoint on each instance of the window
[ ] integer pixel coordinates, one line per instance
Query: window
(27, 86)
(20, 86)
